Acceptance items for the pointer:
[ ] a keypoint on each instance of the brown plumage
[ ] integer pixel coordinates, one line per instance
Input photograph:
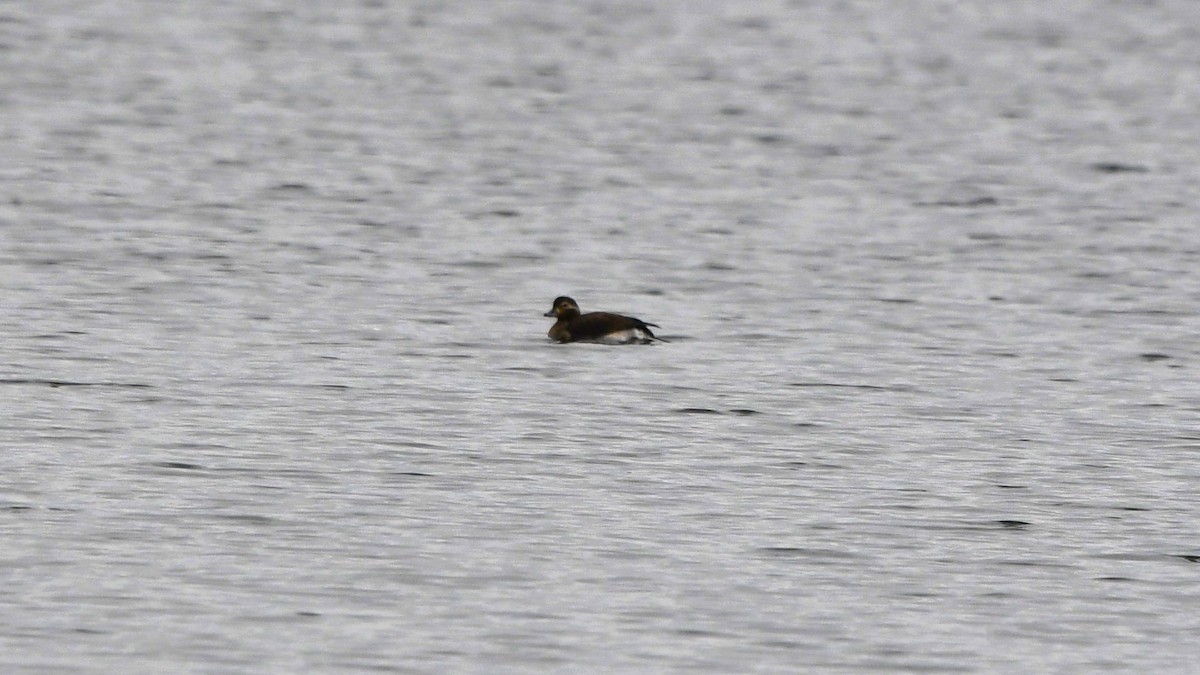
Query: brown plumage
(573, 326)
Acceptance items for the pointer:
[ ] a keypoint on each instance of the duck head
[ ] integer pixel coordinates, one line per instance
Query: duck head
(564, 308)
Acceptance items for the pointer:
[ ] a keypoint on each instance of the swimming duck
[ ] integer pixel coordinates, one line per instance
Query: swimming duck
(572, 326)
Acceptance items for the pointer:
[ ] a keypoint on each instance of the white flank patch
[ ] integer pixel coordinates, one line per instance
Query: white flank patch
(623, 337)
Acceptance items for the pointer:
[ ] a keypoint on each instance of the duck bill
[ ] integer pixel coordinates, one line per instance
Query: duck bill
(550, 313)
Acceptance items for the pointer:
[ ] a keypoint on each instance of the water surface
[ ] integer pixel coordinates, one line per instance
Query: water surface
(278, 396)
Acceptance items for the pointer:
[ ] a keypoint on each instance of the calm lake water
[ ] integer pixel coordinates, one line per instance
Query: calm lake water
(277, 394)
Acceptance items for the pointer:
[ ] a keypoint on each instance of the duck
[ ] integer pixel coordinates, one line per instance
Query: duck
(604, 327)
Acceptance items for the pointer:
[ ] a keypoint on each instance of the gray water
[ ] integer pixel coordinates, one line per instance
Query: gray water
(277, 395)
